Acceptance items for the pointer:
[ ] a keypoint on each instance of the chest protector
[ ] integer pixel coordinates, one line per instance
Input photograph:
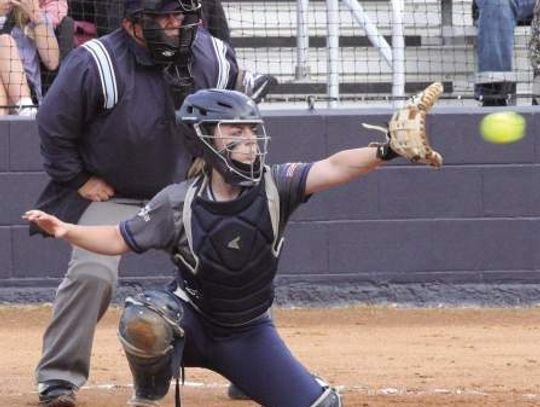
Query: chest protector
(228, 259)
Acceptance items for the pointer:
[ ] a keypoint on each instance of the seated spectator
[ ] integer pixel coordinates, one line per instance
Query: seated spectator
(26, 40)
(534, 54)
(495, 80)
(83, 13)
(55, 10)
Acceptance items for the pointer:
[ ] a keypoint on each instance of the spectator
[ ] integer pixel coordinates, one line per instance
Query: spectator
(110, 142)
(104, 15)
(55, 10)
(27, 39)
(534, 53)
(495, 80)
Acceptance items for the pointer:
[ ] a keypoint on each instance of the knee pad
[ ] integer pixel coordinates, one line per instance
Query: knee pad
(153, 340)
(330, 396)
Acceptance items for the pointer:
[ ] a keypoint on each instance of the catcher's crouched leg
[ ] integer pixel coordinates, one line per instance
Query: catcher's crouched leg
(153, 341)
(330, 396)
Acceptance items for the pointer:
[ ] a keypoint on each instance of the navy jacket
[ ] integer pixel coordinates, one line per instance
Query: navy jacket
(135, 145)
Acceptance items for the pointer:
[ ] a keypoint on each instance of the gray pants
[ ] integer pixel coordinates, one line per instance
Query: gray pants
(81, 300)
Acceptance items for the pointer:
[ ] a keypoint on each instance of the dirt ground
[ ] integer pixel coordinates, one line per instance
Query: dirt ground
(376, 356)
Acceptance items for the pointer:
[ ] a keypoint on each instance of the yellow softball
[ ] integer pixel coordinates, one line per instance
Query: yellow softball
(503, 127)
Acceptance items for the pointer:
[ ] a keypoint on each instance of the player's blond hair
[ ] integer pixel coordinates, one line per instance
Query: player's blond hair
(21, 21)
(198, 167)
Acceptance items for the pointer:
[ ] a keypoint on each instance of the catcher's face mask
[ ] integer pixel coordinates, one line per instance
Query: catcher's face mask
(237, 149)
(168, 28)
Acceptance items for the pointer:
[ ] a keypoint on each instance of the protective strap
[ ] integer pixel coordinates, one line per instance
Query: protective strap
(177, 398)
(105, 67)
(186, 217)
(178, 369)
(272, 195)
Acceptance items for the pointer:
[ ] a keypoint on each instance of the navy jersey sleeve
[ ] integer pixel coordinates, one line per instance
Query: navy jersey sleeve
(214, 62)
(156, 226)
(290, 179)
(72, 101)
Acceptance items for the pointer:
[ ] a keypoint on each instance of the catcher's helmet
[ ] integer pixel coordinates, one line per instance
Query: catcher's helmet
(165, 48)
(205, 112)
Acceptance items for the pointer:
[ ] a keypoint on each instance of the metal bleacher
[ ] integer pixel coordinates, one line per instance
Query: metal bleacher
(439, 46)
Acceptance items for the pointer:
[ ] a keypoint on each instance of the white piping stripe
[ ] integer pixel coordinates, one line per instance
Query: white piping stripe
(220, 68)
(111, 70)
(227, 66)
(100, 69)
(106, 72)
(224, 65)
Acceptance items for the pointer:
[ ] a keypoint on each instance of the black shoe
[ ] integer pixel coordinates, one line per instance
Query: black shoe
(235, 393)
(262, 85)
(494, 102)
(57, 393)
(496, 93)
(256, 85)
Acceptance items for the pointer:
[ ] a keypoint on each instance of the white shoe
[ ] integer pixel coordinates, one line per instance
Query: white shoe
(26, 108)
(27, 112)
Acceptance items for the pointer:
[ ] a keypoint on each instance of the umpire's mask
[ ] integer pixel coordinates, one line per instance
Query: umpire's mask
(226, 124)
(169, 27)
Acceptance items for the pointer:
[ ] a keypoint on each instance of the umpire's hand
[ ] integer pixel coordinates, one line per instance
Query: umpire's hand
(96, 189)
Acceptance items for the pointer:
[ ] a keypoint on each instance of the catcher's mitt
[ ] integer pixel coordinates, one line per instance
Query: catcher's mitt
(407, 134)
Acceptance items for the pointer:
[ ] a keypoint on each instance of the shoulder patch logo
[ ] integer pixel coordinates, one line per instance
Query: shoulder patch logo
(144, 213)
(234, 244)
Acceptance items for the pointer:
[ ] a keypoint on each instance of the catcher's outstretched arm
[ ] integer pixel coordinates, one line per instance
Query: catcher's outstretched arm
(105, 239)
(341, 168)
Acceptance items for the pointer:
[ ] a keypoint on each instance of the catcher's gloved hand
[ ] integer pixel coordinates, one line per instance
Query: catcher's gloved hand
(406, 135)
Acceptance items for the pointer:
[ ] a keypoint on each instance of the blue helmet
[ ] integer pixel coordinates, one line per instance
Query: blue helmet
(205, 112)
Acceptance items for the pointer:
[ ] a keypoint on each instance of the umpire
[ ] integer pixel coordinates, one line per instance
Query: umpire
(110, 142)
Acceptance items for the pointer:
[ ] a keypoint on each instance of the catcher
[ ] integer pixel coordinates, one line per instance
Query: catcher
(223, 228)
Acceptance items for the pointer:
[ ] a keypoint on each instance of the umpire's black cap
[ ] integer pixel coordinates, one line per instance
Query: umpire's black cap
(159, 6)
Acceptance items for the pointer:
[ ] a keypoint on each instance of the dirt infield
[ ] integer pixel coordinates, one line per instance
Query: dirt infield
(378, 357)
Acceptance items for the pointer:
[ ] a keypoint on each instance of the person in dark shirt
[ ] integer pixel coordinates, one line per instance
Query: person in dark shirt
(110, 142)
(223, 228)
